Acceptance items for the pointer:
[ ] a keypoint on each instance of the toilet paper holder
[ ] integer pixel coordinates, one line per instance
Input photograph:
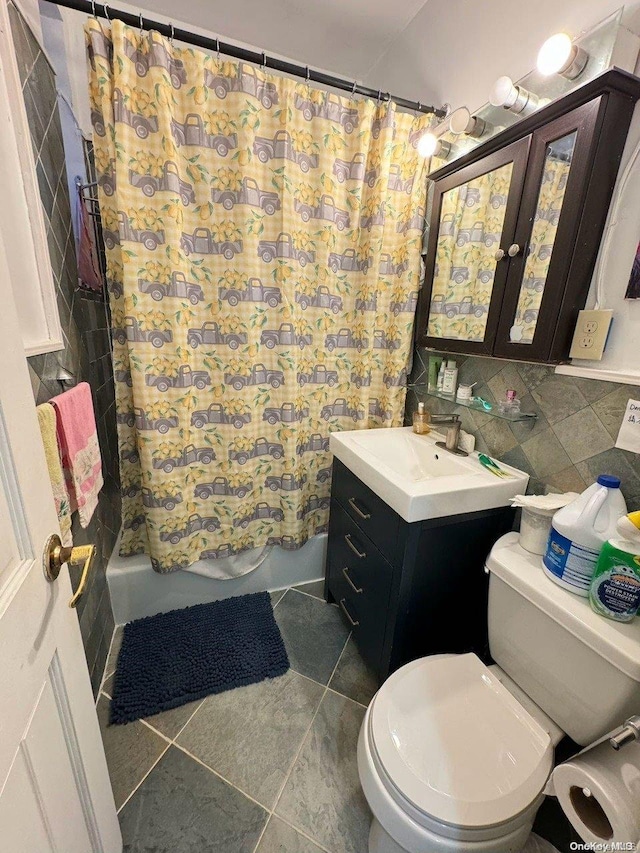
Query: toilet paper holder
(629, 731)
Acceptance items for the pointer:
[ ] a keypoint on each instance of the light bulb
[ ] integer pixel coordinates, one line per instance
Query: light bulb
(428, 144)
(558, 55)
(507, 94)
(461, 121)
(504, 93)
(554, 53)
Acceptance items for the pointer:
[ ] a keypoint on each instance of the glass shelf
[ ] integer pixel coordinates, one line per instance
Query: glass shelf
(478, 407)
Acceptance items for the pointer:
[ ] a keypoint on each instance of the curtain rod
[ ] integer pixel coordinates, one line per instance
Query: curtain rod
(105, 11)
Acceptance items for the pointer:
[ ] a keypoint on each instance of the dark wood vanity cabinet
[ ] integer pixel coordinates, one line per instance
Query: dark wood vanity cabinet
(407, 590)
(516, 224)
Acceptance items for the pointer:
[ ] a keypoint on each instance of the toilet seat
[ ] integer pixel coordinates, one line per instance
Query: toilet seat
(452, 742)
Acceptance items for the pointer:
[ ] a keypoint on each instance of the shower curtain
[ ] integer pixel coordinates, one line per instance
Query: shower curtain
(263, 255)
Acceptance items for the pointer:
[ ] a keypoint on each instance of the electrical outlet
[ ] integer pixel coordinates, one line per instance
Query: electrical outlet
(590, 336)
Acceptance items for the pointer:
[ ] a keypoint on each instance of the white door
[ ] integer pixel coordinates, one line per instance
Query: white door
(55, 795)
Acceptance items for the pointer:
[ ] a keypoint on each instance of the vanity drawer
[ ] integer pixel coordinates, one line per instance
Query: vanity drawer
(360, 581)
(372, 515)
(367, 624)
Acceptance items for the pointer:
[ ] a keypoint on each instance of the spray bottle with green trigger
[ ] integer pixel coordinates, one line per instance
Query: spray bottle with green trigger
(615, 587)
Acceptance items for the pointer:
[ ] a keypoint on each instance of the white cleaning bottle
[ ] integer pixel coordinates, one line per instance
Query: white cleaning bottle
(578, 532)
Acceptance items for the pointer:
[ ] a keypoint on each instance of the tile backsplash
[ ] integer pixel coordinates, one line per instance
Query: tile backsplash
(87, 354)
(570, 442)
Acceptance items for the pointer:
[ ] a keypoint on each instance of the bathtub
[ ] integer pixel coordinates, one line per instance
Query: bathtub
(137, 591)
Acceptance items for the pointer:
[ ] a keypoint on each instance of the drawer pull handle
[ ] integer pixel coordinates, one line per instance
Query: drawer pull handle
(354, 506)
(347, 539)
(353, 623)
(345, 572)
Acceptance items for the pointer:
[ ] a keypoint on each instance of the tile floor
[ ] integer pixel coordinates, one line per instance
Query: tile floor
(269, 768)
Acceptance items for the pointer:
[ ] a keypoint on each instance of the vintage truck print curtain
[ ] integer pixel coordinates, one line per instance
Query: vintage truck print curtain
(263, 252)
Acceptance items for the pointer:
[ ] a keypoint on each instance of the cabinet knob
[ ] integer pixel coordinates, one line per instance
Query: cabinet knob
(499, 255)
(513, 250)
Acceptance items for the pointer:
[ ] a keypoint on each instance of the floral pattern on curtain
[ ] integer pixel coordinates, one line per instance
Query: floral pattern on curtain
(263, 253)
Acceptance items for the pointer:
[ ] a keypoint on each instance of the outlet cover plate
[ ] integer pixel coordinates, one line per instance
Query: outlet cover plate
(590, 336)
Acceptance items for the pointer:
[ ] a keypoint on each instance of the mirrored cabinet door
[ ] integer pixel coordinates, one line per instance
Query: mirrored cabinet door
(473, 219)
(553, 184)
(545, 233)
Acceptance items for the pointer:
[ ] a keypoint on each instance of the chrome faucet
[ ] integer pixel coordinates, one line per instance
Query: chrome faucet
(626, 733)
(453, 433)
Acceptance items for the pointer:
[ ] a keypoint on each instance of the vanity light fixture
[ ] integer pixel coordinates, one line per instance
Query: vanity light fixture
(507, 94)
(461, 121)
(429, 145)
(558, 55)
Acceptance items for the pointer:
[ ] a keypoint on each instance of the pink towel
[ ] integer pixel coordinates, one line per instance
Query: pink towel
(79, 449)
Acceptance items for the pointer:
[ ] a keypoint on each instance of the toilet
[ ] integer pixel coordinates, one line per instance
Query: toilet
(454, 755)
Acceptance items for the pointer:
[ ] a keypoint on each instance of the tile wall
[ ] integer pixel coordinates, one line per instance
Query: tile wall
(572, 439)
(83, 316)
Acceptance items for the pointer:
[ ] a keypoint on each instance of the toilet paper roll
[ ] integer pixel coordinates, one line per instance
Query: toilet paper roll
(599, 791)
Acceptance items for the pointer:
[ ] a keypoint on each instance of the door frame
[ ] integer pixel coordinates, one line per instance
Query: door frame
(21, 214)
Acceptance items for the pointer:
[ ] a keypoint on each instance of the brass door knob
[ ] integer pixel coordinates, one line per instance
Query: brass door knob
(56, 555)
(499, 255)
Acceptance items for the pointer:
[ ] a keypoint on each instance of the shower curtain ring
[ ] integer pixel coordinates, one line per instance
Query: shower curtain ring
(264, 60)
(353, 88)
(141, 22)
(106, 12)
(218, 48)
(171, 36)
(93, 8)
(379, 96)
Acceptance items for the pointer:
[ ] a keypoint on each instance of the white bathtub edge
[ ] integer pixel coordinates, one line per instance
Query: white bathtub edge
(137, 591)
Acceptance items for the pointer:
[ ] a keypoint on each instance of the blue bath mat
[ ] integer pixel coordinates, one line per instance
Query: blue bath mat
(174, 658)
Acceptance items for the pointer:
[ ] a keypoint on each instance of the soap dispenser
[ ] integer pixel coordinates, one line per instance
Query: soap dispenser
(421, 419)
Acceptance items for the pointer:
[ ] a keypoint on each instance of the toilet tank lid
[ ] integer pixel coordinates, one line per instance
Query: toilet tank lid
(616, 642)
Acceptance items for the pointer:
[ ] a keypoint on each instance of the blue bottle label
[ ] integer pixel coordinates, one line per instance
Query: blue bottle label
(572, 563)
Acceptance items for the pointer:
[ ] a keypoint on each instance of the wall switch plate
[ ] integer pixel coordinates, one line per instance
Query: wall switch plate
(590, 336)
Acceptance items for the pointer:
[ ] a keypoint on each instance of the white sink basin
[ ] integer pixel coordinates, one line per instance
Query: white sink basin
(419, 480)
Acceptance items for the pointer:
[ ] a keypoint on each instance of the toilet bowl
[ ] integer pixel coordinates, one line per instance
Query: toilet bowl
(449, 760)
(454, 755)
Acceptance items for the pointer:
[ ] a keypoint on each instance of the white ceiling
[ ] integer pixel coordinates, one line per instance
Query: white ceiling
(346, 37)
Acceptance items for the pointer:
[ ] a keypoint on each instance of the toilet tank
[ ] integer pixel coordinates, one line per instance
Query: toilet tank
(581, 669)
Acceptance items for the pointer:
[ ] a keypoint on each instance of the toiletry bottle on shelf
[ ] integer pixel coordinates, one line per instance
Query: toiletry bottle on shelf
(421, 420)
(578, 532)
(450, 379)
(615, 588)
(464, 394)
(510, 405)
(434, 369)
(440, 383)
